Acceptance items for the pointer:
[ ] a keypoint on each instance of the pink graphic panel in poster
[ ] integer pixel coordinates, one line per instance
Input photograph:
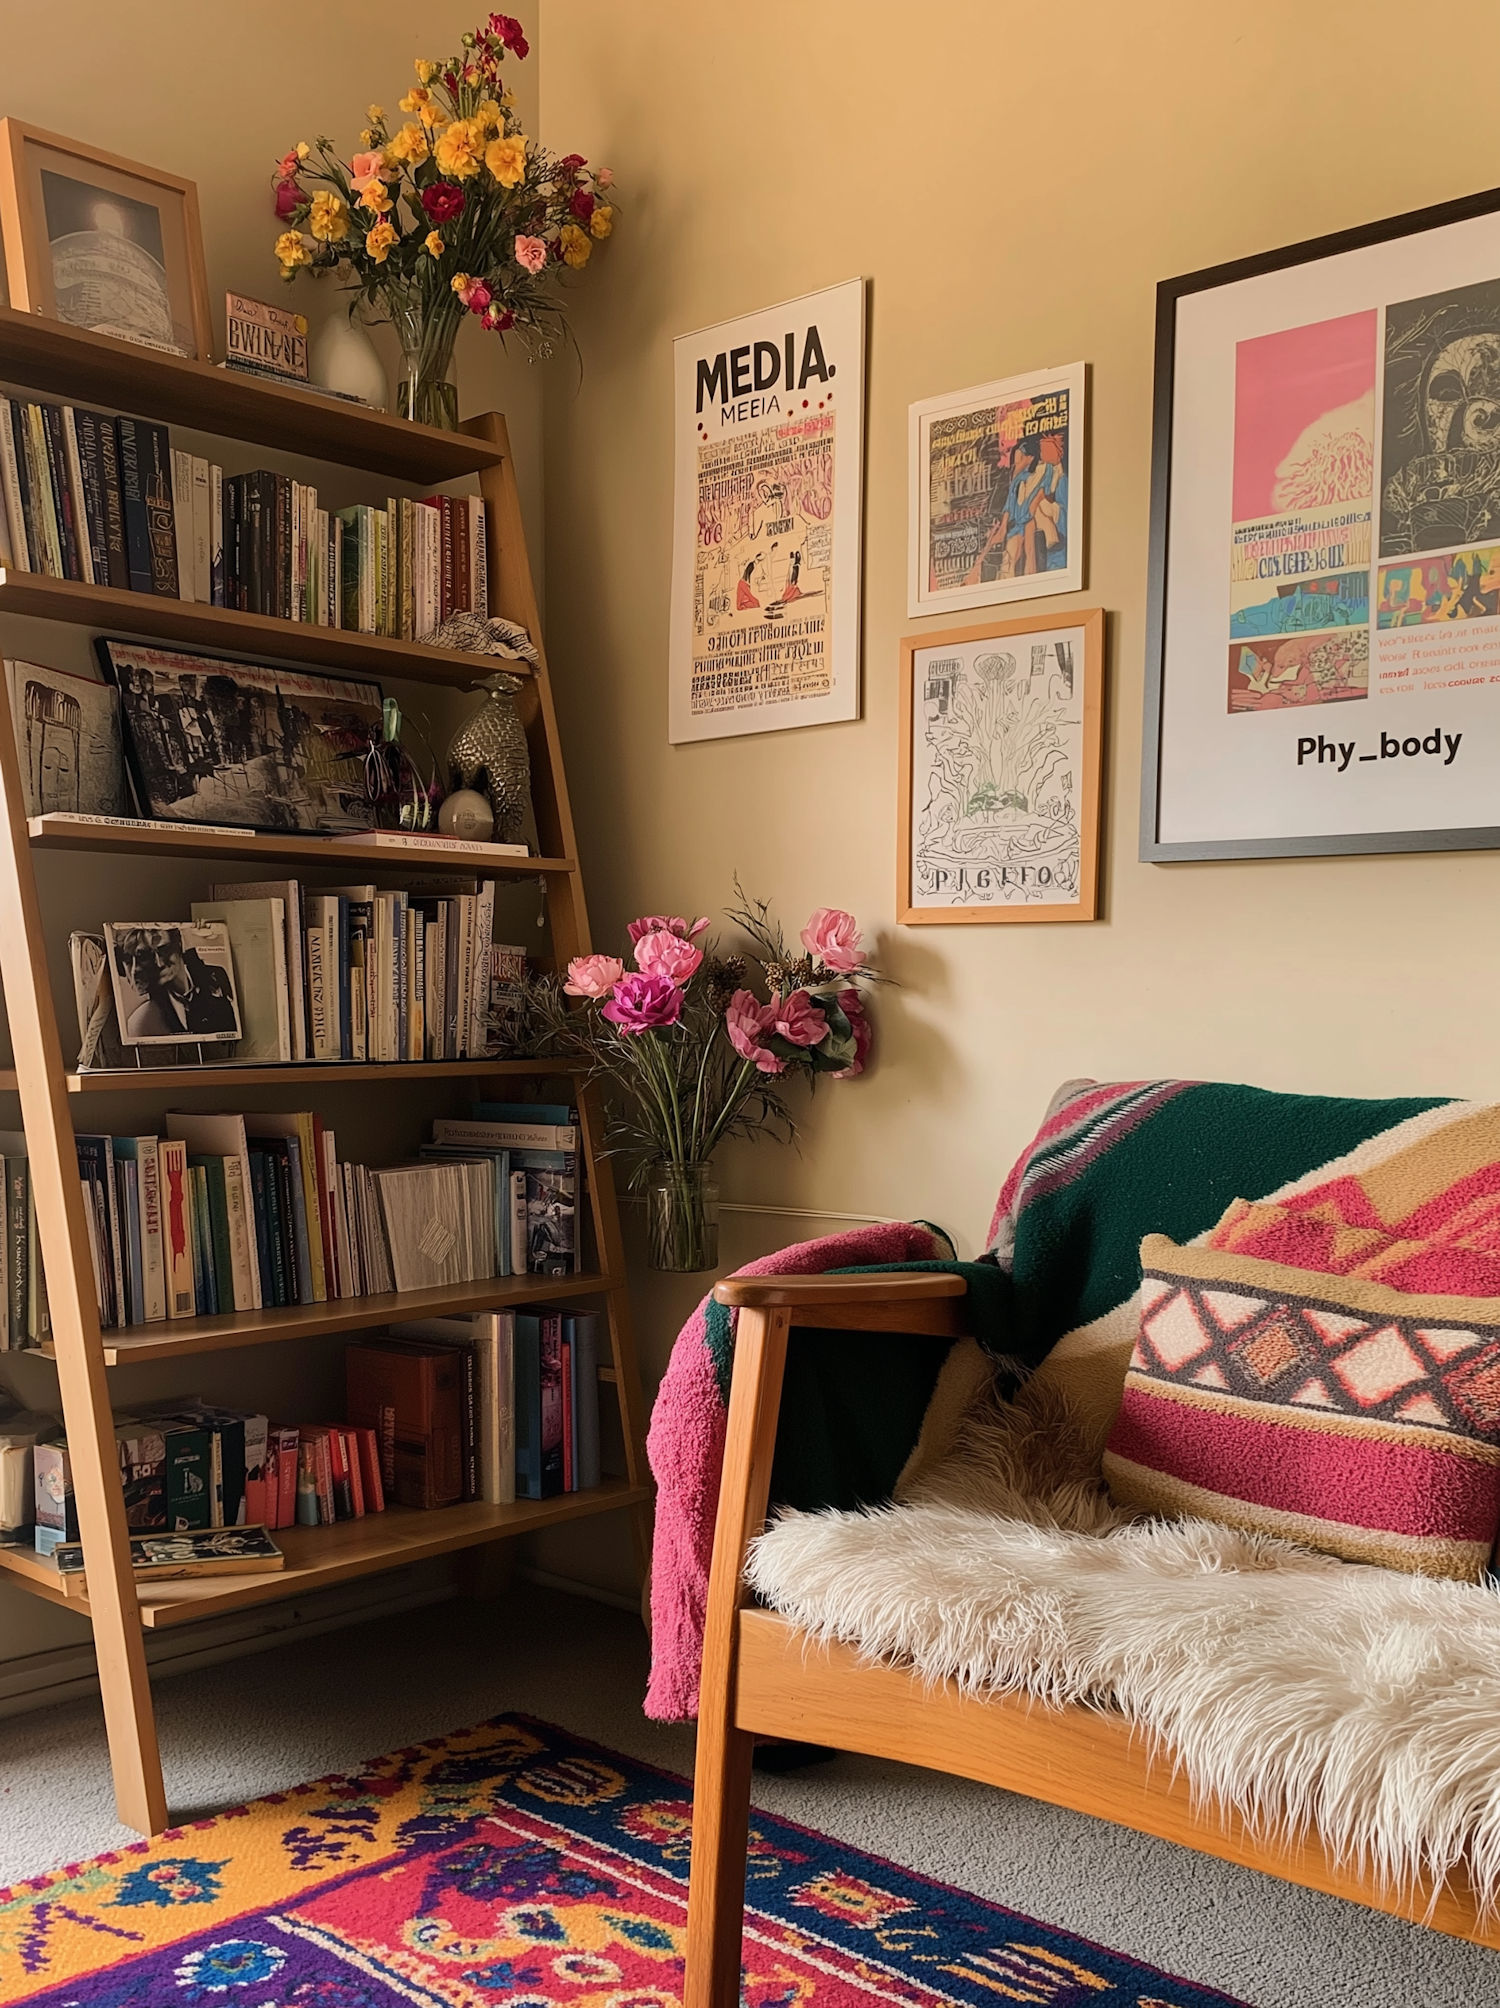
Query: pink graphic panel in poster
(1304, 417)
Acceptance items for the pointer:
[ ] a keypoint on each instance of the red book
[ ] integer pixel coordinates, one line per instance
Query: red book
(283, 1448)
(350, 1452)
(367, 1443)
(315, 1438)
(570, 1479)
(343, 1486)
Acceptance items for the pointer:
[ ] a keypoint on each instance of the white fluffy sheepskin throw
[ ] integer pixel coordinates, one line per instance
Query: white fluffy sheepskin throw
(1302, 1692)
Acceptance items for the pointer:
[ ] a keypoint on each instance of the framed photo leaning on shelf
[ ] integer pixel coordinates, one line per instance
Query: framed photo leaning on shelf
(1323, 652)
(101, 242)
(997, 492)
(1001, 726)
(174, 980)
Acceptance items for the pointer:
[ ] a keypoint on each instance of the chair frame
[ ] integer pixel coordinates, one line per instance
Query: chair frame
(762, 1677)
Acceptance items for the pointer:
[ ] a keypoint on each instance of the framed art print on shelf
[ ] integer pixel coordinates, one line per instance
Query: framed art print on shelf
(1323, 658)
(101, 242)
(1001, 731)
(767, 515)
(997, 492)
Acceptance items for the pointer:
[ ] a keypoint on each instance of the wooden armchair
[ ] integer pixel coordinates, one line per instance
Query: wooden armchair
(762, 1677)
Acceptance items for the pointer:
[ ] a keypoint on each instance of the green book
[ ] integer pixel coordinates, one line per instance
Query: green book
(189, 1475)
(221, 1269)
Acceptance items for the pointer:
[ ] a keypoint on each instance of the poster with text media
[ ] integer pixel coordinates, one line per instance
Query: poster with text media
(767, 512)
(1326, 568)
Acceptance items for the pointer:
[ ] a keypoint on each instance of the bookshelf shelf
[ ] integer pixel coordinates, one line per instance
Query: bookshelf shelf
(317, 1557)
(51, 356)
(46, 356)
(181, 1337)
(227, 629)
(253, 847)
(305, 1074)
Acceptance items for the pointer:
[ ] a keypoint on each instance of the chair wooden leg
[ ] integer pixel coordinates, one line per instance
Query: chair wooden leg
(721, 1781)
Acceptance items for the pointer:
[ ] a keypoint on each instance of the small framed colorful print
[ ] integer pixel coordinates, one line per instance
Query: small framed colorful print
(1323, 655)
(997, 492)
(102, 243)
(999, 784)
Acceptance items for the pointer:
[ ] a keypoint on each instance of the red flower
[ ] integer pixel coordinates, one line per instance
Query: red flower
(509, 31)
(574, 160)
(288, 197)
(443, 200)
(582, 204)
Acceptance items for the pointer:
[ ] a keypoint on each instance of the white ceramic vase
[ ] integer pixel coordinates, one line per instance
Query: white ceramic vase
(344, 358)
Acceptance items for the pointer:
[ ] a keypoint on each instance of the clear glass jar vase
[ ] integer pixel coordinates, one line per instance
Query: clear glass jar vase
(682, 1216)
(425, 391)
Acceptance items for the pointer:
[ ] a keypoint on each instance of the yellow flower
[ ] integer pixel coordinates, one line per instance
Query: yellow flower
(372, 195)
(378, 240)
(460, 282)
(426, 71)
(576, 248)
(375, 113)
(303, 149)
(409, 144)
(458, 150)
(602, 222)
(292, 252)
(487, 115)
(367, 138)
(425, 105)
(506, 159)
(330, 217)
(433, 244)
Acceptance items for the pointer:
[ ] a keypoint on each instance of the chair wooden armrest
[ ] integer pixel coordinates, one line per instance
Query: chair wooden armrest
(930, 1302)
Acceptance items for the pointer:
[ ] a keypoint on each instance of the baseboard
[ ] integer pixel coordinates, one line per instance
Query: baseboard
(67, 1673)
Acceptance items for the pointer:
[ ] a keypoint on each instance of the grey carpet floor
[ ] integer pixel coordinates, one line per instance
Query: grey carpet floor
(325, 1704)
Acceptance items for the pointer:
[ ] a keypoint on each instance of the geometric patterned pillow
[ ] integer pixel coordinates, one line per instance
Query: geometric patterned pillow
(1334, 1411)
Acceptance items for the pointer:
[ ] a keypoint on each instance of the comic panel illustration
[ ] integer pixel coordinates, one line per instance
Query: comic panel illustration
(1440, 425)
(1454, 586)
(1275, 674)
(998, 502)
(1303, 489)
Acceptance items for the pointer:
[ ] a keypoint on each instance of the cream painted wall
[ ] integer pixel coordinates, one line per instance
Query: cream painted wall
(1013, 181)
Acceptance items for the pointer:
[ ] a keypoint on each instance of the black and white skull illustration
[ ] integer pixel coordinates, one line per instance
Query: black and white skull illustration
(1461, 394)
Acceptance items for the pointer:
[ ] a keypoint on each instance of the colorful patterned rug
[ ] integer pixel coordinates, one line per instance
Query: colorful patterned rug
(515, 1863)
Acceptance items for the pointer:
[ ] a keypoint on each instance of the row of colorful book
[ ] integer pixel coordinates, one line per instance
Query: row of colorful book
(110, 502)
(440, 1412)
(244, 1212)
(327, 973)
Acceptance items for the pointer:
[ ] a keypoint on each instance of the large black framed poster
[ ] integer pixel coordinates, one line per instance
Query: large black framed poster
(1323, 654)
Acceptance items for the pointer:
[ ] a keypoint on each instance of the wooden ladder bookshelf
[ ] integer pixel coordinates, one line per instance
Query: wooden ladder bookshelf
(50, 357)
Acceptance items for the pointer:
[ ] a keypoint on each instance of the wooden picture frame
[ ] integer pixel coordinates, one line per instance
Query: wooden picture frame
(139, 276)
(1323, 626)
(1020, 845)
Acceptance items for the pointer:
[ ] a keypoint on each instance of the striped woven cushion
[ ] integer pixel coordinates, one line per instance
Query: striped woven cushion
(1332, 1410)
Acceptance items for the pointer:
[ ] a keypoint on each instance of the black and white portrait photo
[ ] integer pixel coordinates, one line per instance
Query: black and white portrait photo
(174, 981)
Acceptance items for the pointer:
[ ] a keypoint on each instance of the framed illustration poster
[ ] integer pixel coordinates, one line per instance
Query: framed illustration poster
(1323, 659)
(997, 476)
(999, 777)
(767, 509)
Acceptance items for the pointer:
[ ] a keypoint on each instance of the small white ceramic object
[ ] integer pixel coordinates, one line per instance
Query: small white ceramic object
(344, 358)
(465, 813)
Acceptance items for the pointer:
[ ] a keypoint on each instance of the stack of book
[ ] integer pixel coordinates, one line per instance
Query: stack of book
(441, 1412)
(111, 502)
(247, 1212)
(345, 973)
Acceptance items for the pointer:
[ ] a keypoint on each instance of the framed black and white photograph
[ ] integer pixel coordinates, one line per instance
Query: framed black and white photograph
(1323, 655)
(67, 742)
(214, 741)
(101, 242)
(173, 981)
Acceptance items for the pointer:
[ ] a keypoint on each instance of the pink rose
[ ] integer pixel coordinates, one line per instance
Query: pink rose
(746, 1021)
(288, 197)
(798, 1019)
(662, 953)
(499, 318)
(852, 1005)
(653, 923)
(593, 975)
(531, 253)
(476, 297)
(644, 1004)
(366, 167)
(605, 177)
(833, 937)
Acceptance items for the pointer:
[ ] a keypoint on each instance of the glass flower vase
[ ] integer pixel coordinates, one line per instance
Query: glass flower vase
(682, 1216)
(425, 390)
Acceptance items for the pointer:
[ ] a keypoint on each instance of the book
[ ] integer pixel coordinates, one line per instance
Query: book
(177, 1229)
(439, 1221)
(420, 1386)
(181, 465)
(582, 1329)
(318, 1465)
(269, 340)
(221, 1137)
(257, 945)
(528, 1384)
(367, 1447)
(18, 543)
(300, 1132)
(281, 1455)
(56, 1513)
(289, 893)
(504, 1133)
(167, 1557)
(68, 742)
(18, 1235)
(143, 1472)
(146, 496)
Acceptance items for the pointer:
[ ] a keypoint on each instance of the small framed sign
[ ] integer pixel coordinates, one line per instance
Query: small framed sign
(1323, 654)
(997, 492)
(1001, 728)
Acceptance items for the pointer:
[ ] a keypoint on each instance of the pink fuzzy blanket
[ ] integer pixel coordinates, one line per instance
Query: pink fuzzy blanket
(686, 1450)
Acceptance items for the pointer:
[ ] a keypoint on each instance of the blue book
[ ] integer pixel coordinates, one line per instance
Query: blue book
(551, 1210)
(299, 1221)
(555, 1113)
(129, 1174)
(528, 1374)
(260, 1202)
